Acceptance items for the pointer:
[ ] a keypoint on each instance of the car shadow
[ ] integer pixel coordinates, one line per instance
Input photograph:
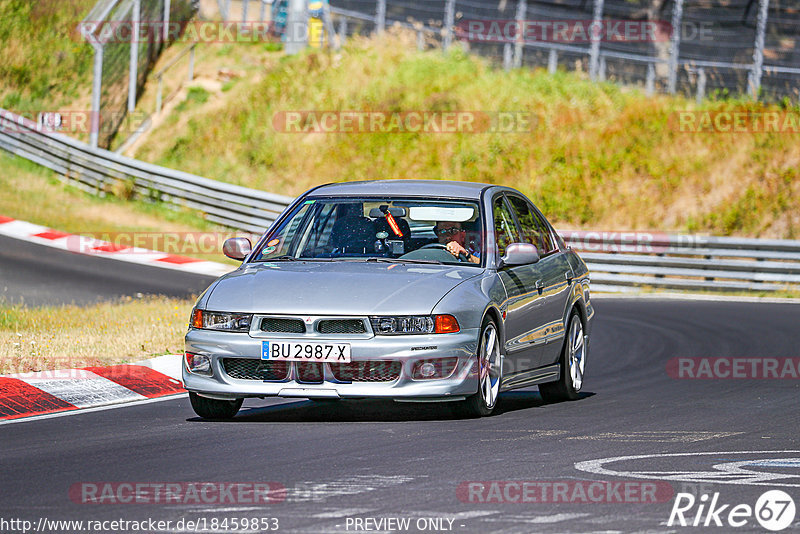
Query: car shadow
(375, 411)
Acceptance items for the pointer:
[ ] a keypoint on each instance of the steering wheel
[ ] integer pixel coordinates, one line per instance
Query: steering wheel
(461, 255)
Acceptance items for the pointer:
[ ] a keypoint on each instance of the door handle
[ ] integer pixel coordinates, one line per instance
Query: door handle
(539, 285)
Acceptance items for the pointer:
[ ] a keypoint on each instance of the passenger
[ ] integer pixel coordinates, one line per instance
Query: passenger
(454, 237)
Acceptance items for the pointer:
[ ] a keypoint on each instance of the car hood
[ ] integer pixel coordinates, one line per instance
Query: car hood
(336, 288)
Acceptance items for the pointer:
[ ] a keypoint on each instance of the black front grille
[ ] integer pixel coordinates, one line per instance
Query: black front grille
(341, 326)
(250, 369)
(367, 371)
(283, 326)
(310, 373)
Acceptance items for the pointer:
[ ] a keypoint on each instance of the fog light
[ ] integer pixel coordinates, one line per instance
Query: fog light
(434, 368)
(427, 370)
(198, 364)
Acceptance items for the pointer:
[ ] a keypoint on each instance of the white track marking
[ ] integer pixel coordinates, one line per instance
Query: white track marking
(713, 477)
(90, 410)
(86, 392)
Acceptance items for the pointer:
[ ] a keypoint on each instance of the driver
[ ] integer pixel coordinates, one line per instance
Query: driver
(454, 237)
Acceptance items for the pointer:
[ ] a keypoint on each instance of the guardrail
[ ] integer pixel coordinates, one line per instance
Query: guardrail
(99, 171)
(618, 261)
(622, 261)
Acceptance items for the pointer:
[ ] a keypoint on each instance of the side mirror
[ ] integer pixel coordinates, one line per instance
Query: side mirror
(520, 254)
(237, 248)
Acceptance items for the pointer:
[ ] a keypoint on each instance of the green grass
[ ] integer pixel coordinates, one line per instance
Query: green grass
(35, 194)
(600, 156)
(44, 61)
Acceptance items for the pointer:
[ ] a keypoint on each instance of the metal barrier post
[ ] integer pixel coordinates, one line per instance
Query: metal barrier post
(519, 45)
(507, 56)
(675, 46)
(449, 20)
(97, 81)
(701, 85)
(552, 61)
(754, 78)
(165, 35)
(594, 51)
(262, 12)
(380, 16)
(133, 69)
(650, 82)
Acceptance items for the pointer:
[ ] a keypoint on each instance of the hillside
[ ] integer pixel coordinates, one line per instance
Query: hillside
(598, 156)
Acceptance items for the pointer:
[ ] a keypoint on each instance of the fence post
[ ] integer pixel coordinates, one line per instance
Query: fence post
(342, 30)
(420, 40)
(754, 78)
(327, 20)
(650, 83)
(296, 27)
(675, 46)
(262, 12)
(519, 45)
(596, 31)
(191, 62)
(133, 68)
(97, 86)
(701, 85)
(552, 61)
(602, 69)
(165, 36)
(158, 94)
(449, 20)
(507, 57)
(245, 4)
(380, 17)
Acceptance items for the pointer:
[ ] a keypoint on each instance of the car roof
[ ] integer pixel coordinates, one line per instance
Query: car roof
(411, 188)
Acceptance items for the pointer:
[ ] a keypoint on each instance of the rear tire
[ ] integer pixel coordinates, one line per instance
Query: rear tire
(490, 368)
(213, 408)
(572, 363)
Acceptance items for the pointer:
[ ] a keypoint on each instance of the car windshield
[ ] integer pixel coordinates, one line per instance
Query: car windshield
(378, 229)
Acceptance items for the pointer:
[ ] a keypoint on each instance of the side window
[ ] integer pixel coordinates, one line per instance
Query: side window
(504, 229)
(534, 229)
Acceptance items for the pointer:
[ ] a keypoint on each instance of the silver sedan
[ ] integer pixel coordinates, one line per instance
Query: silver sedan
(417, 291)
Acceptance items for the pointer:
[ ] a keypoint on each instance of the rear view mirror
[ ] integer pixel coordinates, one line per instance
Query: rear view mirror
(237, 248)
(520, 254)
(395, 211)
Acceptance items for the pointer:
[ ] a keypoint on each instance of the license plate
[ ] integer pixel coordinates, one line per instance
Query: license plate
(305, 351)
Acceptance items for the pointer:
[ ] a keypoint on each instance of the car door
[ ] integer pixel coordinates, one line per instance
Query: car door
(523, 315)
(551, 270)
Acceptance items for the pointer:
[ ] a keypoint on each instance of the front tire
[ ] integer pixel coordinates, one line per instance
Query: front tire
(483, 402)
(213, 408)
(573, 365)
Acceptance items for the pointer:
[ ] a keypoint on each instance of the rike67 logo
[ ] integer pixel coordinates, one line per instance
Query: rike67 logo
(774, 510)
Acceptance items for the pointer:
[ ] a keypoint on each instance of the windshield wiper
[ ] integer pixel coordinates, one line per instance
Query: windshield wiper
(401, 260)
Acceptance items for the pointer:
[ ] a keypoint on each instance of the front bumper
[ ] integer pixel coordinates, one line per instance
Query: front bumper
(404, 349)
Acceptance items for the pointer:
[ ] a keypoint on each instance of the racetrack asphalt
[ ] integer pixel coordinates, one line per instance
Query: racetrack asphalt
(39, 275)
(349, 460)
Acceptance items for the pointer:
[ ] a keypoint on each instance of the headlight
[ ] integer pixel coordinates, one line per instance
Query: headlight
(414, 324)
(229, 322)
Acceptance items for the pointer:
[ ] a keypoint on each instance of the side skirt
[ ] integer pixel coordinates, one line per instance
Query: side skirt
(541, 375)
